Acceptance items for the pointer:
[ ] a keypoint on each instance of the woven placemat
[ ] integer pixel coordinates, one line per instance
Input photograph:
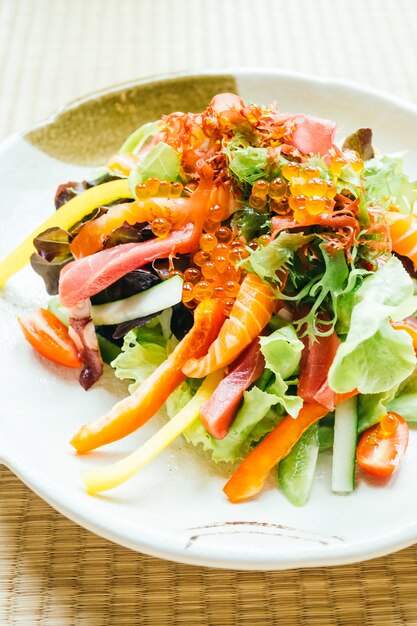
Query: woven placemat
(53, 572)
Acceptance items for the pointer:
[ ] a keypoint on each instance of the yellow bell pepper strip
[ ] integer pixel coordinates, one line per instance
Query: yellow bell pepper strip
(105, 478)
(250, 476)
(135, 410)
(67, 215)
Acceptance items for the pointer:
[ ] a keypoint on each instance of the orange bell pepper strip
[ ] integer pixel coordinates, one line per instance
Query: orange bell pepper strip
(135, 410)
(251, 474)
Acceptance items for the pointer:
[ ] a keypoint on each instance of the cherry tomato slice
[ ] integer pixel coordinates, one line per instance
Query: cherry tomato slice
(381, 448)
(49, 336)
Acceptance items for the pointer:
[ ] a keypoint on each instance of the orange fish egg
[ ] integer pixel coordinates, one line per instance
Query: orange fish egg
(221, 262)
(176, 190)
(160, 227)
(209, 270)
(215, 213)
(192, 275)
(258, 203)
(208, 242)
(311, 171)
(277, 189)
(164, 189)
(201, 257)
(224, 234)
(153, 186)
(260, 189)
(202, 290)
(291, 170)
(142, 191)
(187, 292)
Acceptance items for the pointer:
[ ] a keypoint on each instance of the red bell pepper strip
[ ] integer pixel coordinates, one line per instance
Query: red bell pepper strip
(219, 411)
(132, 412)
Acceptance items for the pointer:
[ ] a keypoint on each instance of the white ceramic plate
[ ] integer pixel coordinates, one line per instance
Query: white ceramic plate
(175, 508)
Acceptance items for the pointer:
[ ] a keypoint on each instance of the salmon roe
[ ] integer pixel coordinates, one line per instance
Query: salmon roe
(214, 274)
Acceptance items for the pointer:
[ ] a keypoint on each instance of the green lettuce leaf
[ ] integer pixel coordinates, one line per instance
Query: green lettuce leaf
(252, 422)
(386, 183)
(141, 136)
(375, 357)
(372, 407)
(251, 223)
(268, 260)
(246, 162)
(143, 351)
(405, 401)
(291, 404)
(282, 352)
(161, 162)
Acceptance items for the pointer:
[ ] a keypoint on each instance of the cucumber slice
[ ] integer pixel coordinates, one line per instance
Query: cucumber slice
(344, 446)
(296, 471)
(162, 296)
(326, 436)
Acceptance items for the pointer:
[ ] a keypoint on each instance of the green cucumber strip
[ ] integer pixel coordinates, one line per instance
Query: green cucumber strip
(108, 350)
(326, 436)
(162, 296)
(344, 446)
(296, 470)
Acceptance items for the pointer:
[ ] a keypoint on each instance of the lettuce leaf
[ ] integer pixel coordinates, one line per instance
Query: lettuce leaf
(361, 142)
(143, 350)
(251, 223)
(374, 356)
(140, 137)
(405, 401)
(246, 162)
(386, 183)
(252, 422)
(372, 407)
(161, 162)
(52, 254)
(282, 351)
(268, 260)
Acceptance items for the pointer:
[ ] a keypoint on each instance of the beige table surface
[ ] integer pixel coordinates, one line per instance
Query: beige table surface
(51, 571)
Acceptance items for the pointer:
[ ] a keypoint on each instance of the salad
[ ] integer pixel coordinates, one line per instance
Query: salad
(240, 268)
